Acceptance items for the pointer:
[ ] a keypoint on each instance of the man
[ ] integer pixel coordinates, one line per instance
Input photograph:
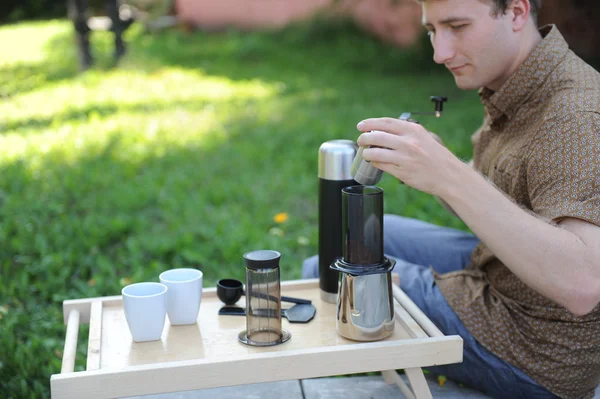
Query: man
(524, 291)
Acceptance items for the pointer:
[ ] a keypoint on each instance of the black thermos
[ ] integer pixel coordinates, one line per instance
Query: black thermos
(335, 161)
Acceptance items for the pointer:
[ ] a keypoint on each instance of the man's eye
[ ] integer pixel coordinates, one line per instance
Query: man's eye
(458, 27)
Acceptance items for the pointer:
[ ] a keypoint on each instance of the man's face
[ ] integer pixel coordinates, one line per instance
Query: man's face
(478, 47)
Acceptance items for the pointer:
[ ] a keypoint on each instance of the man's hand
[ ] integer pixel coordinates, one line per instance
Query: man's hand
(436, 137)
(409, 152)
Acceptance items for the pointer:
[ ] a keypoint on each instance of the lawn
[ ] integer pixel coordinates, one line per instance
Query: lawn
(181, 156)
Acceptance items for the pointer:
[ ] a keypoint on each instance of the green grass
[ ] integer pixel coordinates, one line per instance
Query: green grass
(181, 156)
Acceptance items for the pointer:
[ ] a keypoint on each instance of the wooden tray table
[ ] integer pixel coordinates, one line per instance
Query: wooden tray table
(208, 354)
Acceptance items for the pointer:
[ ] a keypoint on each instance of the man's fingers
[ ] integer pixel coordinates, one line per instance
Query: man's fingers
(390, 125)
(378, 139)
(386, 167)
(380, 155)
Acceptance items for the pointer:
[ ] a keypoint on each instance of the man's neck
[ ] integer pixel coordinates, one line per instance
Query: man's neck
(529, 43)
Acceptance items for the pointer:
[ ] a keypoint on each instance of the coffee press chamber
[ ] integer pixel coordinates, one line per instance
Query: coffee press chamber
(263, 300)
(335, 159)
(365, 304)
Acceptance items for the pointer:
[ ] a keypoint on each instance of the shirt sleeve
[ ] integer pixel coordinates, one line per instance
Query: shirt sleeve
(563, 172)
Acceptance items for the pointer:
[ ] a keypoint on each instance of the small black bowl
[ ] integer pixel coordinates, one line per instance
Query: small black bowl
(229, 290)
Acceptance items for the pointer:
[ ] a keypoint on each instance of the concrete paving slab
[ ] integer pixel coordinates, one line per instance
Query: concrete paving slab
(326, 388)
(271, 390)
(376, 388)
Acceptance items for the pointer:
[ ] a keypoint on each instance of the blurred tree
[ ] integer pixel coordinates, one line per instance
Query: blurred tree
(14, 10)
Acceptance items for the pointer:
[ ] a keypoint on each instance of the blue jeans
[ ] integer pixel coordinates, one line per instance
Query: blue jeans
(417, 245)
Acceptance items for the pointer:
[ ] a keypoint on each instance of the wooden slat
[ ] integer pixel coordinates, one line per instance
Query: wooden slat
(84, 306)
(300, 284)
(275, 366)
(416, 313)
(70, 349)
(405, 319)
(95, 337)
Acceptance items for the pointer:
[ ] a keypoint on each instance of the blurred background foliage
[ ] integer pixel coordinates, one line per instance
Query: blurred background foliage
(17, 10)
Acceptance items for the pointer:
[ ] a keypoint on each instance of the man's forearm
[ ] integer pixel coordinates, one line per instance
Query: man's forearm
(445, 204)
(550, 259)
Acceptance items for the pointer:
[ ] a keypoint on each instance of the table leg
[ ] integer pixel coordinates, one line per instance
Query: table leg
(420, 389)
(418, 383)
(392, 377)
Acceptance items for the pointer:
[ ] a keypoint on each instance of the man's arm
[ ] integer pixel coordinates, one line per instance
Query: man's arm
(561, 262)
(445, 204)
(441, 201)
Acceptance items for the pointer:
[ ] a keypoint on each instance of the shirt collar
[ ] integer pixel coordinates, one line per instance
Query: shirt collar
(528, 77)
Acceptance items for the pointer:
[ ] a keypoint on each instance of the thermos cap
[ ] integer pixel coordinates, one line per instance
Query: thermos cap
(335, 159)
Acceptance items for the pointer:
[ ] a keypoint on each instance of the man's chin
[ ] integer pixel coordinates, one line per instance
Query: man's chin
(463, 83)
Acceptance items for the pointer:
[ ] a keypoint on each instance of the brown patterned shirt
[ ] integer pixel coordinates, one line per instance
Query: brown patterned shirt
(540, 144)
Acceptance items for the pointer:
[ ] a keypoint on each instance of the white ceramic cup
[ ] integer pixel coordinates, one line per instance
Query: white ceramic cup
(184, 296)
(145, 307)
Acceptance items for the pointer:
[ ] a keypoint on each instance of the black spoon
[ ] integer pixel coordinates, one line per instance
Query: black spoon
(300, 313)
(230, 291)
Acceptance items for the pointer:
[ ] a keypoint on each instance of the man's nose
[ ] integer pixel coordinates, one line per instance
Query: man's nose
(443, 49)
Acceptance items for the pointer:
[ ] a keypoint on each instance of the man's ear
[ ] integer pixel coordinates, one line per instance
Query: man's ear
(520, 11)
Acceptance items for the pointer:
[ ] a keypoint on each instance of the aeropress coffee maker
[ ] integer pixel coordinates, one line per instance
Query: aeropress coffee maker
(365, 304)
(263, 300)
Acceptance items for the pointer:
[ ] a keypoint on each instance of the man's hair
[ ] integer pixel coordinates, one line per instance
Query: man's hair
(500, 7)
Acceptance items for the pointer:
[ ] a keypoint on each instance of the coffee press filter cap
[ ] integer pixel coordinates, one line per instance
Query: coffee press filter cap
(262, 259)
(335, 159)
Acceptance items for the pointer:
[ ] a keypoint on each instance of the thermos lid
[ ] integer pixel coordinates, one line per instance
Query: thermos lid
(335, 159)
(262, 259)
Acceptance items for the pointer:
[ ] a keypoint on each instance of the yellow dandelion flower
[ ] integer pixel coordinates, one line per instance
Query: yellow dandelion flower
(441, 380)
(281, 217)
